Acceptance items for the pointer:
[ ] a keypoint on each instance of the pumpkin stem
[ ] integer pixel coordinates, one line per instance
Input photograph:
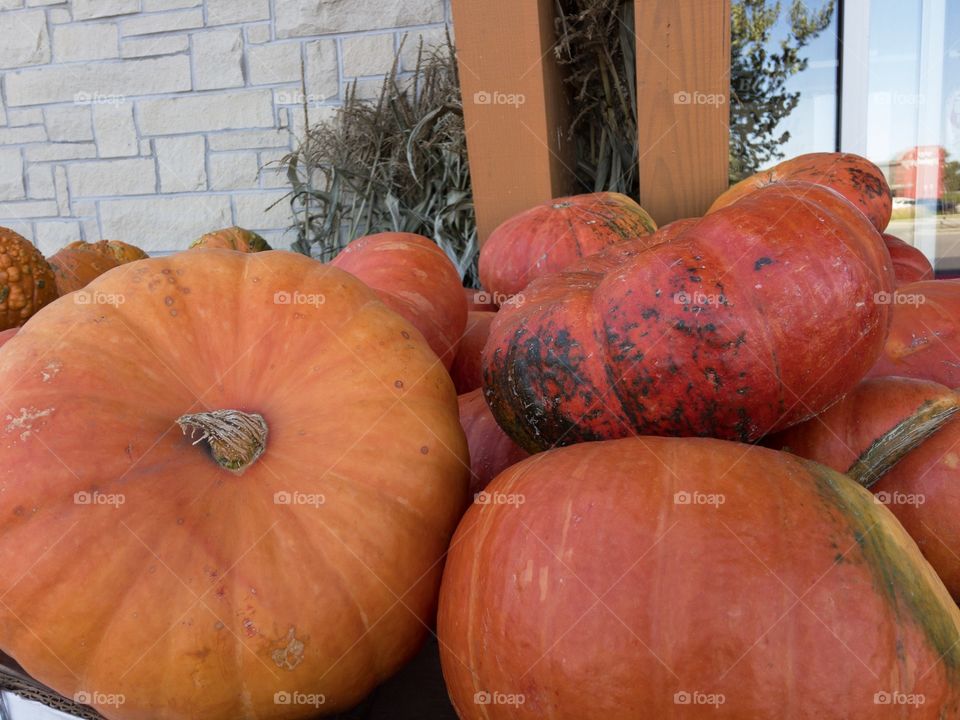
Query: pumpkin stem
(236, 438)
(903, 437)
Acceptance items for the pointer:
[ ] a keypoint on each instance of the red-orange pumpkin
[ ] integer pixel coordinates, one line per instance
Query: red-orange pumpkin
(924, 339)
(233, 238)
(909, 264)
(856, 178)
(901, 438)
(27, 282)
(76, 267)
(728, 330)
(415, 278)
(117, 249)
(491, 449)
(551, 236)
(681, 579)
(296, 550)
(467, 371)
(872, 427)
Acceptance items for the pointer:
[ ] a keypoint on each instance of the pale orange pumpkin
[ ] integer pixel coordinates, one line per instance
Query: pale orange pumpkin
(296, 549)
(76, 267)
(116, 249)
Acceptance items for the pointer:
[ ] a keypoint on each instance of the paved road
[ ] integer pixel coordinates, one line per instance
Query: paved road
(948, 239)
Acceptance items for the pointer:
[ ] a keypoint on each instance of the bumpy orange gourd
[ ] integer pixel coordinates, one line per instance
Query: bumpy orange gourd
(294, 553)
(691, 579)
(414, 277)
(856, 178)
(116, 249)
(27, 282)
(233, 238)
(549, 237)
(76, 267)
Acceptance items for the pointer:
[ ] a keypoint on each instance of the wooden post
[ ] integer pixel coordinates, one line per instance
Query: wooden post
(513, 105)
(683, 87)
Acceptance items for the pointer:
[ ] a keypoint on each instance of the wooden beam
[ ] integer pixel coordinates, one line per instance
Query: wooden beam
(683, 87)
(514, 106)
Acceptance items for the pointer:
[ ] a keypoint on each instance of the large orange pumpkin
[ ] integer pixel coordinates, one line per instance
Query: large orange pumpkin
(909, 264)
(76, 267)
(491, 449)
(856, 178)
(551, 236)
(681, 579)
(901, 438)
(218, 505)
(27, 282)
(233, 238)
(466, 371)
(924, 339)
(729, 329)
(415, 278)
(116, 249)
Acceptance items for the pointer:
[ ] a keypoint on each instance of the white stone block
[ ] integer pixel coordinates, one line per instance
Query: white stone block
(84, 41)
(148, 24)
(272, 174)
(68, 123)
(258, 33)
(207, 112)
(133, 176)
(181, 163)
(18, 117)
(115, 131)
(45, 152)
(59, 16)
(233, 171)
(152, 45)
(218, 59)
(25, 39)
(224, 12)
(249, 139)
(296, 18)
(40, 182)
(322, 73)
(164, 223)
(273, 63)
(100, 82)
(21, 135)
(61, 190)
(87, 9)
(11, 174)
(368, 54)
(159, 5)
(252, 210)
(12, 211)
(53, 235)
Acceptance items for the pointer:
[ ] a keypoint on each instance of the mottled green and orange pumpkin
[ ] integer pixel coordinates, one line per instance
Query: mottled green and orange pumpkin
(726, 329)
(687, 579)
(551, 236)
(116, 249)
(233, 238)
(228, 499)
(75, 267)
(27, 281)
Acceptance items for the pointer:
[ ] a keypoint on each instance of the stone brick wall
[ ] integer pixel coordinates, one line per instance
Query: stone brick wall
(150, 120)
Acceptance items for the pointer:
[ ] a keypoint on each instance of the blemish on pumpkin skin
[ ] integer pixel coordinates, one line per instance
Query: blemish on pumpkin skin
(405, 334)
(51, 370)
(424, 450)
(24, 421)
(168, 301)
(291, 655)
(173, 313)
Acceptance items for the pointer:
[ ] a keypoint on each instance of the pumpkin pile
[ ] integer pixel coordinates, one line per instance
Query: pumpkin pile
(701, 470)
